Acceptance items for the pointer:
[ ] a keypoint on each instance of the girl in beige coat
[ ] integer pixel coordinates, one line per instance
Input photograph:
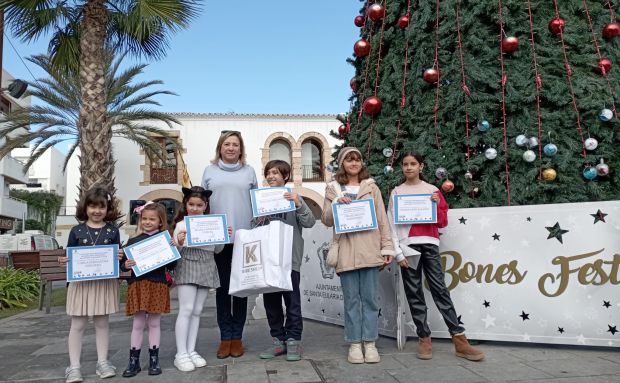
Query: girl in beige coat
(360, 255)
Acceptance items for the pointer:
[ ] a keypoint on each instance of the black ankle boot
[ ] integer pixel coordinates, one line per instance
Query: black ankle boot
(134, 364)
(154, 368)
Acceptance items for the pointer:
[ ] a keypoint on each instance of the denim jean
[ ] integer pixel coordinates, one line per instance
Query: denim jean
(361, 307)
(231, 311)
(283, 326)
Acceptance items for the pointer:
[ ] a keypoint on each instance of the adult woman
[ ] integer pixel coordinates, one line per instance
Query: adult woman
(230, 179)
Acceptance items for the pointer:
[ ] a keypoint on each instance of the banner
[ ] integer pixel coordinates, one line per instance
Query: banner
(543, 274)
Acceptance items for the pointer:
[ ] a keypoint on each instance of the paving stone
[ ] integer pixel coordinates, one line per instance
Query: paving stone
(445, 374)
(576, 366)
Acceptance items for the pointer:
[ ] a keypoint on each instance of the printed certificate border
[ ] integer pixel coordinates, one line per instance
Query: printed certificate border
(373, 213)
(139, 272)
(189, 241)
(255, 212)
(71, 278)
(412, 222)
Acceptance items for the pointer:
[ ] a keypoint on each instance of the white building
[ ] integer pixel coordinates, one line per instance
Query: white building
(302, 140)
(46, 172)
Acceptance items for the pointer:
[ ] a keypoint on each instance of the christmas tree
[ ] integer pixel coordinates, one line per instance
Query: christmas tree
(512, 102)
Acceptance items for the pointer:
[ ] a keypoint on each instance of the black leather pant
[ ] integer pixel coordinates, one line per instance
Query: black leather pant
(430, 262)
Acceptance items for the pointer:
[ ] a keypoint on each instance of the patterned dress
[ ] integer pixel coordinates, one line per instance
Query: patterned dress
(197, 264)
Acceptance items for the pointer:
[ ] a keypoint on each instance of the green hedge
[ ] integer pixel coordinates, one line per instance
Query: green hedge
(17, 287)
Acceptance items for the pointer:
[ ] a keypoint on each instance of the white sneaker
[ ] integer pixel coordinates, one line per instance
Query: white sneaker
(355, 353)
(371, 355)
(73, 375)
(105, 369)
(198, 360)
(184, 363)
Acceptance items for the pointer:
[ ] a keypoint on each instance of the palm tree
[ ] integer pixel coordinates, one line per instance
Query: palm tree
(56, 120)
(81, 30)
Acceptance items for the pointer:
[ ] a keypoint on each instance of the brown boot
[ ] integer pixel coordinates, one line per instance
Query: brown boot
(224, 350)
(425, 348)
(464, 350)
(236, 348)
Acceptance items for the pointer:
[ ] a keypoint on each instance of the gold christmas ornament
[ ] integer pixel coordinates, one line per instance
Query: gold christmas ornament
(549, 174)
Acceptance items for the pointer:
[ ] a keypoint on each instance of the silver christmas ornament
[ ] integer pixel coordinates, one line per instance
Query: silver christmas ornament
(606, 115)
(590, 143)
(602, 169)
(533, 142)
(521, 140)
(490, 153)
(529, 156)
(387, 170)
(468, 175)
(387, 152)
(441, 173)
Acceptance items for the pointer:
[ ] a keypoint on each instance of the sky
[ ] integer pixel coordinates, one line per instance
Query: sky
(244, 56)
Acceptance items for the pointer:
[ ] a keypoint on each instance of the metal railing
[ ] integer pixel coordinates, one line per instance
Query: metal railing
(164, 175)
(311, 173)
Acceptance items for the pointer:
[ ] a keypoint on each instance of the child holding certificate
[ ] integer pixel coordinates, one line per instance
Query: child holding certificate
(286, 335)
(148, 295)
(360, 255)
(97, 298)
(417, 250)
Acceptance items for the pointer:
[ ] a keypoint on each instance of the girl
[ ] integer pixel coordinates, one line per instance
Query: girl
(417, 249)
(99, 298)
(195, 274)
(287, 336)
(360, 255)
(148, 295)
(231, 179)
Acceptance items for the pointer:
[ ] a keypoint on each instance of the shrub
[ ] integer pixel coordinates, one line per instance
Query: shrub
(17, 287)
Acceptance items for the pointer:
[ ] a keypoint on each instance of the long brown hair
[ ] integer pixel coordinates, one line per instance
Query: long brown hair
(220, 142)
(98, 196)
(341, 176)
(418, 157)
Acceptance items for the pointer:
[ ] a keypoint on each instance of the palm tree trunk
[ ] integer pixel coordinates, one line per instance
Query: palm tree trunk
(96, 160)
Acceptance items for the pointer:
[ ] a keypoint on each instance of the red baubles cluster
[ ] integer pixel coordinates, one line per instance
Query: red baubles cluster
(372, 105)
(361, 48)
(611, 30)
(431, 75)
(359, 21)
(376, 12)
(403, 21)
(510, 44)
(344, 129)
(603, 66)
(447, 186)
(556, 26)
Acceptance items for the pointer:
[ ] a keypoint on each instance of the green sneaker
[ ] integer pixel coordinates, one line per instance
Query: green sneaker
(277, 348)
(293, 350)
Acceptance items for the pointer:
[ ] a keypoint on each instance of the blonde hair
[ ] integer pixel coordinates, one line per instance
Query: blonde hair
(161, 214)
(218, 148)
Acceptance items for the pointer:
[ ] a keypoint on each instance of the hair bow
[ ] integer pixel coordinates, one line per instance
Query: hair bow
(140, 208)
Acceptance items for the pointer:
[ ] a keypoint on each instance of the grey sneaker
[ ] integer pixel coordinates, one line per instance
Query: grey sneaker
(105, 369)
(277, 348)
(73, 375)
(293, 350)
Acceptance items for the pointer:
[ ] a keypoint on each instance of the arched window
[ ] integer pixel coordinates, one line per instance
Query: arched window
(280, 150)
(311, 161)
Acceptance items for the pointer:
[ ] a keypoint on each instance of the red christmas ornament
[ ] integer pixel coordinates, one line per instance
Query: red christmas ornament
(403, 21)
(447, 186)
(361, 48)
(611, 30)
(372, 105)
(431, 75)
(353, 84)
(556, 26)
(347, 127)
(376, 12)
(604, 66)
(359, 21)
(342, 130)
(510, 44)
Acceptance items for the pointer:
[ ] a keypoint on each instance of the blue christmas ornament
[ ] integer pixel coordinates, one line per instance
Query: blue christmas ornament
(484, 125)
(589, 173)
(550, 150)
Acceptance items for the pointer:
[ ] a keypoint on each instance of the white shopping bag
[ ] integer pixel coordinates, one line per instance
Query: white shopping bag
(262, 260)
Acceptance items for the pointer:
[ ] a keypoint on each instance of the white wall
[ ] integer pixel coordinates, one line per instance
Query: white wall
(46, 170)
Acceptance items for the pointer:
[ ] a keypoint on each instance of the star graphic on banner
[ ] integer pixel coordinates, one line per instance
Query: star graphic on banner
(380, 315)
(526, 337)
(459, 319)
(529, 219)
(524, 316)
(495, 237)
(561, 330)
(489, 321)
(599, 216)
(307, 259)
(323, 311)
(338, 314)
(607, 304)
(385, 322)
(581, 339)
(486, 304)
(612, 329)
(308, 299)
(556, 232)
(463, 220)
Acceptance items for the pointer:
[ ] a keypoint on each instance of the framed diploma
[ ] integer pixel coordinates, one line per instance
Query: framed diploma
(152, 253)
(266, 201)
(359, 215)
(414, 208)
(204, 230)
(87, 263)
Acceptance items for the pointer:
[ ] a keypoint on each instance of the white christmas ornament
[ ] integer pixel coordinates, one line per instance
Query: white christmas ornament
(490, 153)
(590, 143)
(529, 156)
(521, 140)
(606, 115)
(533, 142)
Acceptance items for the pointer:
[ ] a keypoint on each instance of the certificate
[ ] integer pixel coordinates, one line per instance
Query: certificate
(414, 208)
(266, 201)
(87, 263)
(359, 215)
(204, 230)
(152, 253)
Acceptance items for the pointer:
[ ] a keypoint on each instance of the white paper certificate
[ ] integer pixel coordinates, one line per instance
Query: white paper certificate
(414, 208)
(152, 253)
(87, 263)
(359, 215)
(266, 201)
(203, 230)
